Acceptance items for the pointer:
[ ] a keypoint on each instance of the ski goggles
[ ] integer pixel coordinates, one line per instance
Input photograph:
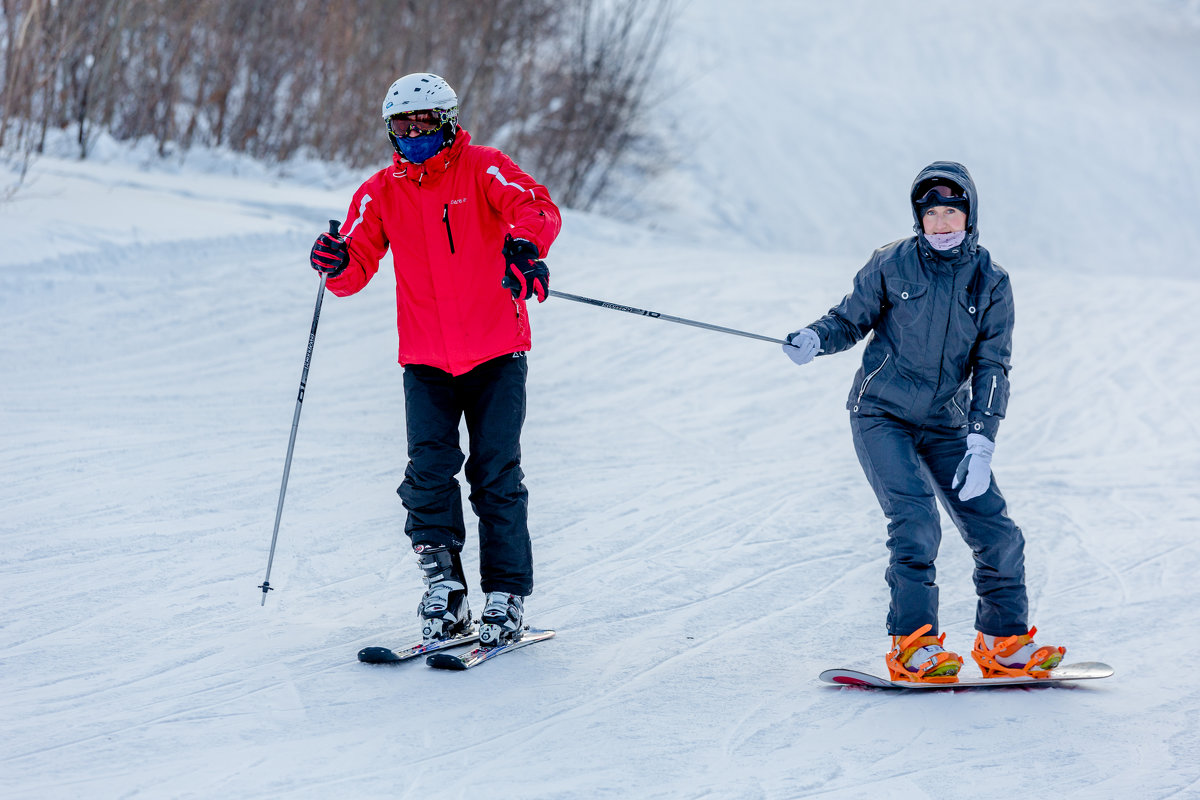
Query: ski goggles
(416, 123)
(940, 195)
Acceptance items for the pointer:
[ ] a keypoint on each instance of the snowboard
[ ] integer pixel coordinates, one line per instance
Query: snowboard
(1081, 671)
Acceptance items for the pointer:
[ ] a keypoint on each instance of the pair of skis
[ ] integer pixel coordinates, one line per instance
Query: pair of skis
(436, 658)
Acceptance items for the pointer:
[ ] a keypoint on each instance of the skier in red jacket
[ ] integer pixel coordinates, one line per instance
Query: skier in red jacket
(467, 229)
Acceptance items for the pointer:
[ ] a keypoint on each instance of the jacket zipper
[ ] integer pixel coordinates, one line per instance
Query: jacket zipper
(446, 220)
(992, 393)
(956, 408)
(867, 380)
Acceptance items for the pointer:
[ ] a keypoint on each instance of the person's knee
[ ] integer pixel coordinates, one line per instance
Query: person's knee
(431, 468)
(913, 551)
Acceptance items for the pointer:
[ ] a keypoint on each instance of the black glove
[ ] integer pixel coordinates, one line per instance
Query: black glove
(330, 254)
(524, 275)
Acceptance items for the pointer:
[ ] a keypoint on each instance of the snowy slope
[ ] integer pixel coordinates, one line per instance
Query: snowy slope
(705, 541)
(801, 121)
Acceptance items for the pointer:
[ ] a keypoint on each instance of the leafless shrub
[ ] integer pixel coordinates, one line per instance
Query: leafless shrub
(559, 84)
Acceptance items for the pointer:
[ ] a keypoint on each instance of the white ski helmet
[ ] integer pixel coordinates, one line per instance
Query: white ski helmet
(422, 91)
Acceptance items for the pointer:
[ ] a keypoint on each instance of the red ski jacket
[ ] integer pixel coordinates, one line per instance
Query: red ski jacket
(445, 221)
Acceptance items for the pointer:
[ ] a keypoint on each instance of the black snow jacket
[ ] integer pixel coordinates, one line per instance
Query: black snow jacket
(941, 322)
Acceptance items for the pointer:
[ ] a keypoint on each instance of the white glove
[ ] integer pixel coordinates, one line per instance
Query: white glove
(975, 470)
(803, 345)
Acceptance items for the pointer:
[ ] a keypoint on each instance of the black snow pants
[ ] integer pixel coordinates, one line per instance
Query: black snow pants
(492, 399)
(908, 467)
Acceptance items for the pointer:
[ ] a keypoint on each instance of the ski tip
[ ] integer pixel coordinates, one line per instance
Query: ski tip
(445, 661)
(377, 655)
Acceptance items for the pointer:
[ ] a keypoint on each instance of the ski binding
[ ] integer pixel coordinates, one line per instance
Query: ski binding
(475, 657)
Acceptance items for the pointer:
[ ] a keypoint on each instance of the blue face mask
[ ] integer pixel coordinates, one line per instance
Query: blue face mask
(418, 149)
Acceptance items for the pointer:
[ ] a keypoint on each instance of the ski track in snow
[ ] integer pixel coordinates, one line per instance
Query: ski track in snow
(705, 545)
(705, 542)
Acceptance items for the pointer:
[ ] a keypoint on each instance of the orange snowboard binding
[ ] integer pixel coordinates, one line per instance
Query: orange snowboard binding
(1015, 656)
(933, 663)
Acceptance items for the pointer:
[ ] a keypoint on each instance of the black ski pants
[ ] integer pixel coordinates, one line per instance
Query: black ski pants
(908, 467)
(492, 399)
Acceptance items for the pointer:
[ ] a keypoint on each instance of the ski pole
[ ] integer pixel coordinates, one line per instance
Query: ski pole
(657, 315)
(287, 464)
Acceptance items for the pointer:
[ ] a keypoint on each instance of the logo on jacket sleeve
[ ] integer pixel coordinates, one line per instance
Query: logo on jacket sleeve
(362, 207)
(494, 171)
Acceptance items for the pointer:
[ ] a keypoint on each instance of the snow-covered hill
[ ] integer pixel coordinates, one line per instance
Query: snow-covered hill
(705, 542)
(798, 123)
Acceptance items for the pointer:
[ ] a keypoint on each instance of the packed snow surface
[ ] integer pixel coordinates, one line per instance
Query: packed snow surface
(705, 542)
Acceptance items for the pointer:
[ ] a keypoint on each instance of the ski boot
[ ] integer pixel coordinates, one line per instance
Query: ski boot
(922, 659)
(443, 609)
(1015, 656)
(502, 619)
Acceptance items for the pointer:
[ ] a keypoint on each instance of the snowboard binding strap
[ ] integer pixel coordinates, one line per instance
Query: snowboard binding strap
(1038, 666)
(940, 667)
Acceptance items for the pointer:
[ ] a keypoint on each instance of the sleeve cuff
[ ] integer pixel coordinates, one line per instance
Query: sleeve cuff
(984, 425)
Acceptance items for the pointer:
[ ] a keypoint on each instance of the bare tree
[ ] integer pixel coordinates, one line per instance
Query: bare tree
(560, 84)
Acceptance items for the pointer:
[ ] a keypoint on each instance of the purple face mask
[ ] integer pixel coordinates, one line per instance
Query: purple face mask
(946, 241)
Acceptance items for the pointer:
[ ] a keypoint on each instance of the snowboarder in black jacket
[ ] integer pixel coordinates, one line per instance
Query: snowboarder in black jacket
(924, 411)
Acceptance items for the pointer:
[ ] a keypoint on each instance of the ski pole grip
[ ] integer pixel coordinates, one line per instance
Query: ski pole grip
(334, 225)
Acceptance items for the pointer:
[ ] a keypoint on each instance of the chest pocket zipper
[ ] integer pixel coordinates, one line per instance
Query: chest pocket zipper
(446, 220)
(867, 381)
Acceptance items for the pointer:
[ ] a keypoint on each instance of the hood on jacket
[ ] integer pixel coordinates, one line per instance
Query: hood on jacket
(958, 175)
